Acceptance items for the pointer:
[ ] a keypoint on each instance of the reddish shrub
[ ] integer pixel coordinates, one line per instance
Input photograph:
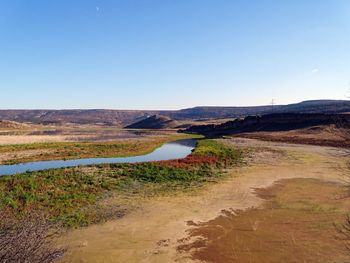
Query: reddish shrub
(189, 161)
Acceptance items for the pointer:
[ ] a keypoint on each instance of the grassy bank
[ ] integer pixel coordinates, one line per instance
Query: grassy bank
(19, 153)
(71, 196)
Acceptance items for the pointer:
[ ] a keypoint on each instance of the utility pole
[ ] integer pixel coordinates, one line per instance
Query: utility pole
(272, 104)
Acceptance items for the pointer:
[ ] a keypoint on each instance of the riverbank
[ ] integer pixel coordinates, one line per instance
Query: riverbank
(20, 153)
(152, 232)
(172, 150)
(82, 196)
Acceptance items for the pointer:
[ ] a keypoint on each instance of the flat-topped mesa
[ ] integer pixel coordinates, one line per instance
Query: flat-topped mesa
(272, 122)
(154, 122)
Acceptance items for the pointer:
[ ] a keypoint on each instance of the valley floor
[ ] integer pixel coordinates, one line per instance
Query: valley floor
(205, 225)
(79, 143)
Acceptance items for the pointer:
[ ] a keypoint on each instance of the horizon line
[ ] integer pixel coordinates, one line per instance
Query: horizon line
(190, 107)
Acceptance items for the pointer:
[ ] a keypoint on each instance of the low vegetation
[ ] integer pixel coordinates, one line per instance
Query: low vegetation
(19, 153)
(29, 239)
(70, 196)
(344, 229)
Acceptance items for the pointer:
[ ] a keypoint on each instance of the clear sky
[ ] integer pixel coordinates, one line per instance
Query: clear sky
(171, 54)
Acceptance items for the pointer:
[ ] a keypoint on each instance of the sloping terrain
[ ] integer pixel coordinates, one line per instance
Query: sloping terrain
(154, 122)
(127, 117)
(325, 135)
(272, 122)
(312, 106)
(104, 117)
(5, 124)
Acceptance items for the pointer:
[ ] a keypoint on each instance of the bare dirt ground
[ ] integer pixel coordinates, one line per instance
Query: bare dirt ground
(295, 224)
(152, 233)
(25, 139)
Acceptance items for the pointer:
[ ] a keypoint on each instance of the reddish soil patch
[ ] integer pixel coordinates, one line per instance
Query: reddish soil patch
(295, 225)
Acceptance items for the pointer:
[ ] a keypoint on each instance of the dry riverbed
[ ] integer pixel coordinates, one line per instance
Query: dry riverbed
(175, 227)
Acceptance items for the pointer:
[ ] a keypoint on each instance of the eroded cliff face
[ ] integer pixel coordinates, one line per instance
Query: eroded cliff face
(272, 122)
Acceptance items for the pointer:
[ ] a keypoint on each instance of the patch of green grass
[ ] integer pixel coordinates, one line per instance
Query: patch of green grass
(225, 154)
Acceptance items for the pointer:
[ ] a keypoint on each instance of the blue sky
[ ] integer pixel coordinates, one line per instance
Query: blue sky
(171, 54)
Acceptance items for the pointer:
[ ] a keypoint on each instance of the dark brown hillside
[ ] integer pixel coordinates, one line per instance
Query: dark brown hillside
(312, 106)
(272, 122)
(312, 128)
(154, 122)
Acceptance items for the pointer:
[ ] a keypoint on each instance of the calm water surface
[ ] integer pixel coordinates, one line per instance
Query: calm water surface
(168, 151)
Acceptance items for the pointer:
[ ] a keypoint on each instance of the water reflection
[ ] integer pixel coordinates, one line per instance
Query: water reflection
(169, 151)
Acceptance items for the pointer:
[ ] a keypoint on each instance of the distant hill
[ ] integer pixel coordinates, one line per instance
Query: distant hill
(272, 122)
(154, 122)
(126, 117)
(104, 117)
(312, 106)
(5, 124)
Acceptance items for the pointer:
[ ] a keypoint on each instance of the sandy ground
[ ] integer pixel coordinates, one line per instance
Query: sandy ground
(151, 233)
(24, 139)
